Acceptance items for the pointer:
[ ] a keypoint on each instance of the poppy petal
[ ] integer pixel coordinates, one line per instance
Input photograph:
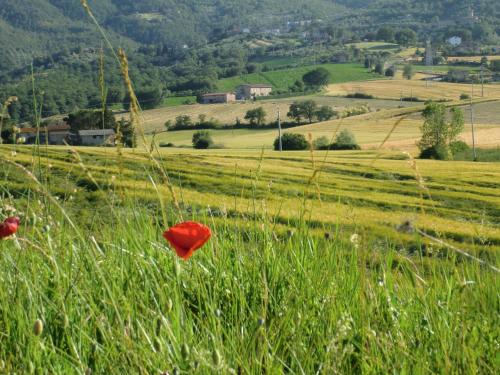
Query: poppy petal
(187, 237)
(9, 227)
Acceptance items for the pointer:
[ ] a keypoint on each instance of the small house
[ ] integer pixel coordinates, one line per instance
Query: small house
(218, 97)
(97, 137)
(246, 92)
(52, 134)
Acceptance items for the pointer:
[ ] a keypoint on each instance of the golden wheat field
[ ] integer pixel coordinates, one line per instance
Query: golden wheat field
(397, 88)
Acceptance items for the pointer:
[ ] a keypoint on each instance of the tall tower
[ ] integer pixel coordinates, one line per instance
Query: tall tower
(429, 55)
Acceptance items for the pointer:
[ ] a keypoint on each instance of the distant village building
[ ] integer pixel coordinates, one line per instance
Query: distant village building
(218, 97)
(52, 134)
(429, 55)
(454, 41)
(96, 137)
(246, 92)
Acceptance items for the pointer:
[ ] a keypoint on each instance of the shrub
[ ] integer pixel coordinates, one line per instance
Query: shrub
(458, 147)
(436, 153)
(202, 140)
(345, 141)
(164, 144)
(292, 142)
(325, 113)
(361, 110)
(360, 95)
(321, 143)
(410, 99)
(464, 96)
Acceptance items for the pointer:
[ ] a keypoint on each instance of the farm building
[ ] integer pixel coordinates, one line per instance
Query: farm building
(250, 91)
(57, 134)
(218, 97)
(97, 137)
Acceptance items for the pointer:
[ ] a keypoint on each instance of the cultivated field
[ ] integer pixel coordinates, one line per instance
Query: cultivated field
(370, 129)
(302, 274)
(227, 114)
(397, 88)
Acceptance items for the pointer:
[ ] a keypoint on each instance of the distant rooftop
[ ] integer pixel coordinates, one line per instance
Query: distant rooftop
(217, 93)
(92, 132)
(50, 128)
(258, 85)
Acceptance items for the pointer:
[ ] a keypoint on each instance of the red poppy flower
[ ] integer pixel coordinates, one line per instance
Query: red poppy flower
(9, 227)
(187, 237)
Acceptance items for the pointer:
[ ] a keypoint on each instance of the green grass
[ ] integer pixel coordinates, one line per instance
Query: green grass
(482, 155)
(283, 79)
(269, 293)
(175, 101)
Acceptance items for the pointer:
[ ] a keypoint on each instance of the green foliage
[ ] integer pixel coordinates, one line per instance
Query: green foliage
(292, 142)
(438, 132)
(406, 37)
(306, 109)
(256, 116)
(325, 113)
(356, 111)
(390, 72)
(91, 119)
(317, 78)
(202, 140)
(345, 140)
(408, 71)
(321, 143)
(126, 133)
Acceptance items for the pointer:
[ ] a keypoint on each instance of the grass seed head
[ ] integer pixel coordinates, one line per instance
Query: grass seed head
(38, 327)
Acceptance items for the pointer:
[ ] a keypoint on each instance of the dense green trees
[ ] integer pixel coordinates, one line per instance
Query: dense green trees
(317, 78)
(292, 142)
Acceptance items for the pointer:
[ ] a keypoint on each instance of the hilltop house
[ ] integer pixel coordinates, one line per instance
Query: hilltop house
(218, 97)
(96, 137)
(52, 134)
(245, 92)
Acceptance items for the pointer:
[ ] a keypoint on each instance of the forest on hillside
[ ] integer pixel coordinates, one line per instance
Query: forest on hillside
(55, 42)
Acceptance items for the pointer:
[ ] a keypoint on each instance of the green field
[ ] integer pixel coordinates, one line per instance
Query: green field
(298, 277)
(283, 79)
(174, 101)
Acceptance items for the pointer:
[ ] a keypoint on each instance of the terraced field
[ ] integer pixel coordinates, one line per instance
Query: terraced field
(355, 191)
(397, 88)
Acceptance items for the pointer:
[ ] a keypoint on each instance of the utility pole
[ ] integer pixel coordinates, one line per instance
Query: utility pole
(482, 82)
(472, 125)
(279, 131)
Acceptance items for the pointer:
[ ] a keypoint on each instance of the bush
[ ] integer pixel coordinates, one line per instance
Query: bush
(410, 99)
(202, 140)
(436, 153)
(321, 143)
(458, 147)
(164, 144)
(345, 141)
(360, 95)
(292, 142)
(464, 96)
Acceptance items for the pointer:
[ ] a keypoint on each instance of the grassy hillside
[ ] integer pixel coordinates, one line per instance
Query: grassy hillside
(283, 79)
(283, 273)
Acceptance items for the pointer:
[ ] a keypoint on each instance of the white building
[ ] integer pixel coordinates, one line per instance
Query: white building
(97, 137)
(454, 41)
(253, 90)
